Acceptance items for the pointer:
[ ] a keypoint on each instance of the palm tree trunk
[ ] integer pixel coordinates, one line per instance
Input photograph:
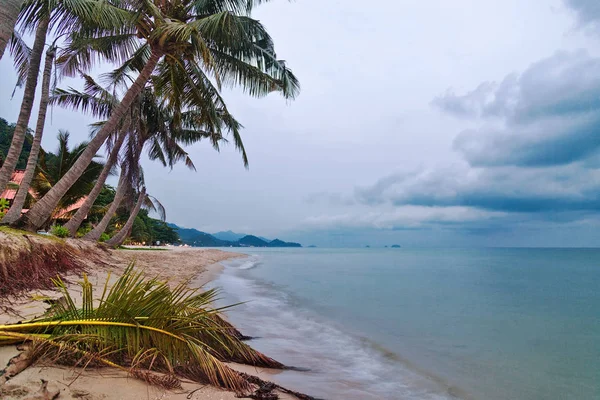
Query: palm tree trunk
(26, 105)
(120, 237)
(15, 211)
(122, 187)
(9, 12)
(42, 210)
(75, 222)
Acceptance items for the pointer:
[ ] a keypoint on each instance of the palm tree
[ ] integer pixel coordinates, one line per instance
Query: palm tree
(26, 105)
(120, 237)
(217, 38)
(149, 123)
(39, 15)
(54, 166)
(122, 188)
(9, 12)
(15, 211)
(75, 222)
(154, 126)
(100, 103)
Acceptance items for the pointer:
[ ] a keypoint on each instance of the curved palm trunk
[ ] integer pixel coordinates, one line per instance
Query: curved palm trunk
(75, 222)
(120, 237)
(26, 105)
(15, 211)
(42, 210)
(122, 187)
(9, 12)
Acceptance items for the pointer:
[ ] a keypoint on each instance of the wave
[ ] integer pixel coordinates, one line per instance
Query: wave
(245, 263)
(339, 365)
(249, 264)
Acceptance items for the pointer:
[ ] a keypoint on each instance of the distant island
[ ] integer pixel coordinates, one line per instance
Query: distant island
(396, 246)
(196, 238)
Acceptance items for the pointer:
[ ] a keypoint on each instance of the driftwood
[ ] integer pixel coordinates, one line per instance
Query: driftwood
(15, 365)
(266, 390)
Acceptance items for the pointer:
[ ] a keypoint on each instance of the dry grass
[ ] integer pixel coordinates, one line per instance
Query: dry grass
(30, 261)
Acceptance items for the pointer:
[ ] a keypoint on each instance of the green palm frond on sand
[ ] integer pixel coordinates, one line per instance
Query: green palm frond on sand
(145, 327)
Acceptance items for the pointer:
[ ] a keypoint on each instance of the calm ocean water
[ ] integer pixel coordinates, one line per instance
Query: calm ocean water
(424, 324)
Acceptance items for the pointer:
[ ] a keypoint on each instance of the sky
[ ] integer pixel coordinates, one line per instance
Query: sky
(420, 123)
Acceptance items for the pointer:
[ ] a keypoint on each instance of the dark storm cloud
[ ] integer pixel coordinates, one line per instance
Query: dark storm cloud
(552, 141)
(548, 115)
(508, 189)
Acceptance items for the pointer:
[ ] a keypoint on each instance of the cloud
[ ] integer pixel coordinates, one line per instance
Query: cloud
(530, 165)
(588, 11)
(488, 99)
(564, 84)
(336, 199)
(548, 115)
(408, 217)
(561, 189)
(547, 142)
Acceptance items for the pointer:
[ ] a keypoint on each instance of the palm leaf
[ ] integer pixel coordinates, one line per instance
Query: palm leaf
(157, 328)
(21, 53)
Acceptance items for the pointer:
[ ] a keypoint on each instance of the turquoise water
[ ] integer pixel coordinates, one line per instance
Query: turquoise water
(427, 323)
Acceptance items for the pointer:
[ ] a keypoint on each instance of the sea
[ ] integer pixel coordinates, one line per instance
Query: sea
(431, 324)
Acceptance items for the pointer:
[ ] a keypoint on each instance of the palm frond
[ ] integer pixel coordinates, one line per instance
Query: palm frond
(83, 51)
(152, 203)
(21, 53)
(203, 7)
(142, 324)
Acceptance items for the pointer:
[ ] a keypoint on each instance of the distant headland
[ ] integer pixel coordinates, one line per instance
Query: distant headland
(196, 238)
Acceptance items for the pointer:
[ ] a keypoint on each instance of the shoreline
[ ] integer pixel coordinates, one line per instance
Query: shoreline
(196, 266)
(293, 332)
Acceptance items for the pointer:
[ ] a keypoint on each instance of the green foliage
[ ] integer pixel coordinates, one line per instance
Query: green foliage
(84, 230)
(4, 205)
(6, 135)
(59, 231)
(148, 230)
(104, 237)
(53, 166)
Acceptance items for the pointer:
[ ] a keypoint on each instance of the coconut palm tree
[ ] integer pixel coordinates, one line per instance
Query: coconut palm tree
(154, 127)
(215, 39)
(9, 12)
(53, 166)
(99, 102)
(16, 145)
(123, 187)
(40, 16)
(120, 236)
(75, 222)
(15, 211)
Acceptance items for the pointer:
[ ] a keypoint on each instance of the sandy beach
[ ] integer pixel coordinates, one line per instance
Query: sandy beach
(175, 264)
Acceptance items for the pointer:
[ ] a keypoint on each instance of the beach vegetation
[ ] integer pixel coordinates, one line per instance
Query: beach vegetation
(59, 231)
(143, 326)
(4, 206)
(30, 261)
